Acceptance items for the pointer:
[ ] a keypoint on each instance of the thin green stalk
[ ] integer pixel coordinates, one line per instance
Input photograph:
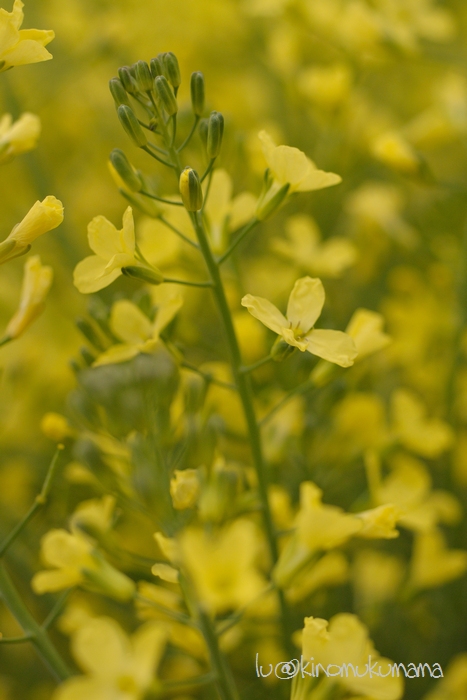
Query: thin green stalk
(188, 138)
(208, 377)
(153, 155)
(238, 240)
(6, 339)
(208, 170)
(16, 640)
(188, 283)
(179, 233)
(39, 501)
(174, 128)
(300, 389)
(251, 368)
(224, 680)
(39, 636)
(160, 199)
(56, 610)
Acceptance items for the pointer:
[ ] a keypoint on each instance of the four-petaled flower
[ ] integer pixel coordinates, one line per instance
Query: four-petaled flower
(305, 304)
(19, 47)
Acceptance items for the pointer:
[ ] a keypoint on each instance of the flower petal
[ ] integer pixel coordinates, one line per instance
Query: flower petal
(89, 275)
(316, 179)
(305, 303)
(129, 323)
(101, 648)
(334, 346)
(264, 311)
(117, 353)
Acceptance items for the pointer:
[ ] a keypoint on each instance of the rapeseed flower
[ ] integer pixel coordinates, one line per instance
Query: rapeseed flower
(36, 284)
(19, 136)
(19, 47)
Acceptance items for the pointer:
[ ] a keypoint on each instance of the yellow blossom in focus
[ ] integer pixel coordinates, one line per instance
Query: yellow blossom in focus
(113, 250)
(303, 247)
(36, 284)
(344, 640)
(305, 304)
(117, 667)
(433, 564)
(42, 217)
(222, 565)
(19, 47)
(18, 137)
(74, 562)
(130, 325)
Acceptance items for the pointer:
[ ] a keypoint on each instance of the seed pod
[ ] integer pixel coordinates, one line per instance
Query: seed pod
(197, 93)
(165, 95)
(126, 171)
(143, 76)
(131, 125)
(215, 134)
(118, 92)
(203, 131)
(153, 276)
(172, 69)
(190, 190)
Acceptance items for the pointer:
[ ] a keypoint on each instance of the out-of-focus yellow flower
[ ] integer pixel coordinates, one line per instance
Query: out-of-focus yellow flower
(75, 561)
(326, 86)
(224, 213)
(366, 328)
(433, 564)
(129, 324)
(394, 151)
(42, 217)
(454, 684)
(376, 577)
(426, 437)
(56, 427)
(303, 247)
(291, 171)
(18, 137)
(379, 522)
(305, 304)
(94, 516)
(114, 250)
(117, 666)
(345, 640)
(36, 284)
(19, 47)
(222, 566)
(331, 570)
(184, 488)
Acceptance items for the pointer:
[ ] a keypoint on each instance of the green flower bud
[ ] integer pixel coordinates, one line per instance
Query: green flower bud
(128, 81)
(156, 66)
(197, 93)
(118, 92)
(143, 76)
(268, 203)
(190, 190)
(203, 131)
(88, 357)
(126, 171)
(165, 95)
(131, 125)
(153, 276)
(215, 134)
(91, 333)
(104, 578)
(172, 69)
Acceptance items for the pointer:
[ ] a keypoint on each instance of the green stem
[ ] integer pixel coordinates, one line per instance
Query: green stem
(153, 155)
(179, 233)
(6, 339)
(210, 379)
(188, 283)
(238, 240)
(160, 199)
(39, 637)
(208, 169)
(224, 680)
(188, 138)
(251, 368)
(300, 389)
(15, 640)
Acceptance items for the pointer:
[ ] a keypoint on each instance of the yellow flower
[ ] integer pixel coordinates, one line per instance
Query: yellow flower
(129, 324)
(118, 667)
(395, 152)
(21, 46)
(428, 437)
(433, 564)
(75, 561)
(366, 328)
(42, 217)
(305, 304)
(114, 250)
(379, 522)
(223, 212)
(344, 640)
(18, 137)
(303, 247)
(184, 488)
(454, 684)
(36, 284)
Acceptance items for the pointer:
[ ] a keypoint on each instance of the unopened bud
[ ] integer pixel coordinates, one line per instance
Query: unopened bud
(197, 93)
(172, 69)
(118, 92)
(190, 190)
(156, 65)
(131, 125)
(127, 79)
(56, 427)
(165, 95)
(153, 276)
(203, 132)
(143, 76)
(125, 170)
(215, 134)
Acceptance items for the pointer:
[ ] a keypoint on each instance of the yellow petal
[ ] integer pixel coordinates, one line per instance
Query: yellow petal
(61, 549)
(80, 687)
(101, 648)
(334, 346)
(129, 323)
(117, 353)
(264, 311)
(316, 179)
(148, 646)
(366, 328)
(89, 275)
(57, 580)
(305, 303)
(103, 238)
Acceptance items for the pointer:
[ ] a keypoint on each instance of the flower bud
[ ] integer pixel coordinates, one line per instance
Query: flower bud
(36, 284)
(190, 190)
(42, 217)
(156, 65)
(197, 93)
(143, 76)
(165, 95)
(127, 80)
(172, 69)
(125, 170)
(153, 276)
(118, 92)
(90, 332)
(56, 427)
(105, 578)
(203, 132)
(215, 134)
(131, 125)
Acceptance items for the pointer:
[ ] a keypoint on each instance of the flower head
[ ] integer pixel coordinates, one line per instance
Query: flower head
(36, 284)
(305, 304)
(18, 137)
(19, 47)
(42, 217)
